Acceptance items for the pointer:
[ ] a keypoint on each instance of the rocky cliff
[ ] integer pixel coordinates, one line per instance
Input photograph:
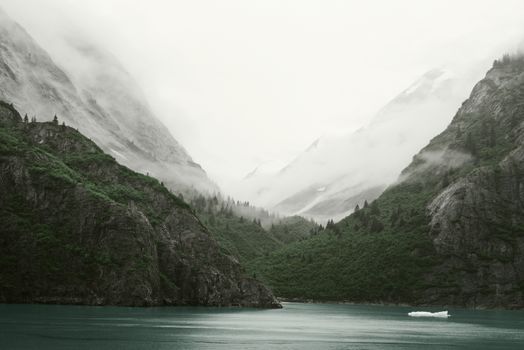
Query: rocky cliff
(477, 221)
(77, 227)
(449, 232)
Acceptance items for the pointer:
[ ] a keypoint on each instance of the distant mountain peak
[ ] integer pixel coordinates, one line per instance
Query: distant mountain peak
(357, 166)
(428, 82)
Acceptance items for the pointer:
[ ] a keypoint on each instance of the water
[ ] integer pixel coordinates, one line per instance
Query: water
(297, 326)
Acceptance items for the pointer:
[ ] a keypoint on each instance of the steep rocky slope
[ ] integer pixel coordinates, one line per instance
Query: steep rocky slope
(92, 92)
(77, 227)
(449, 232)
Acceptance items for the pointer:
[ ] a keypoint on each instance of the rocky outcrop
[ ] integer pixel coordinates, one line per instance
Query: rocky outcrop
(449, 232)
(77, 227)
(477, 225)
(477, 221)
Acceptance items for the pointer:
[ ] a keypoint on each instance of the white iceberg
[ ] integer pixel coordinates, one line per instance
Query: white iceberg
(441, 314)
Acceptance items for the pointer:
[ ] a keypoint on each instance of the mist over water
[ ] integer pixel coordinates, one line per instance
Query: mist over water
(296, 326)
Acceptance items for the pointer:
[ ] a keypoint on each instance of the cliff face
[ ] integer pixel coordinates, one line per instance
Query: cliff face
(474, 171)
(449, 232)
(77, 227)
(477, 222)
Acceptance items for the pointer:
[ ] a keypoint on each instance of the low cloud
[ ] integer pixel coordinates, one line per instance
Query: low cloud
(237, 92)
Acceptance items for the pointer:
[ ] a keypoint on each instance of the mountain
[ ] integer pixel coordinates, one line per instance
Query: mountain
(91, 91)
(76, 227)
(450, 231)
(248, 232)
(336, 173)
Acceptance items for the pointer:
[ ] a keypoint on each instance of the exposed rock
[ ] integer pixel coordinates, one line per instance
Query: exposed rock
(77, 227)
(450, 231)
(477, 222)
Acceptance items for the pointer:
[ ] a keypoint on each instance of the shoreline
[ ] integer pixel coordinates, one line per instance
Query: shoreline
(281, 301)
(440, 306)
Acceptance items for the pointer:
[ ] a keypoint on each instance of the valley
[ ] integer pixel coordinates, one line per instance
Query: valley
(101, 205)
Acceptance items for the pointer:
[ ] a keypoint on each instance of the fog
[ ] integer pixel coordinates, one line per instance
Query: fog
(339, 171)
(244, 83)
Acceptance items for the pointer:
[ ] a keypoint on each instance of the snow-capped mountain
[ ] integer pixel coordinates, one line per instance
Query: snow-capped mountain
(88, 89)
(335, 173)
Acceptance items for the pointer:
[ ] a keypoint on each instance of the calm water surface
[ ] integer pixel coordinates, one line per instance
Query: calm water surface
(297, 326)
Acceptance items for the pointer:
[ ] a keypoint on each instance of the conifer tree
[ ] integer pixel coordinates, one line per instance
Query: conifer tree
(364, 218)
(393, 217)
(374, 208)
(376, 225)
(506, 59)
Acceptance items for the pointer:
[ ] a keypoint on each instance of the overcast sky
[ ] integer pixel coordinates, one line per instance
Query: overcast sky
(240, 83)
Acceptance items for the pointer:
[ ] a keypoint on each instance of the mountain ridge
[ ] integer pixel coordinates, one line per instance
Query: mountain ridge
(449, 232)
(96, 95)
(333, 162)
(79, 228)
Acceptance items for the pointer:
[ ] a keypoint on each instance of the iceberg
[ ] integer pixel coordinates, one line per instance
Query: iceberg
(441, 314)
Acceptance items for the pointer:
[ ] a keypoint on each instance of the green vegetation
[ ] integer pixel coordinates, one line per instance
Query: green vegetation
(245, 237)
(378, 253)
(293, 229)
(78, 216)
(77, 227)
(383, 251)
(60, 160)
(85, 164)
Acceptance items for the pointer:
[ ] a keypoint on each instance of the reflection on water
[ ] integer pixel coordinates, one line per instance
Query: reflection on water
(297, 326)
